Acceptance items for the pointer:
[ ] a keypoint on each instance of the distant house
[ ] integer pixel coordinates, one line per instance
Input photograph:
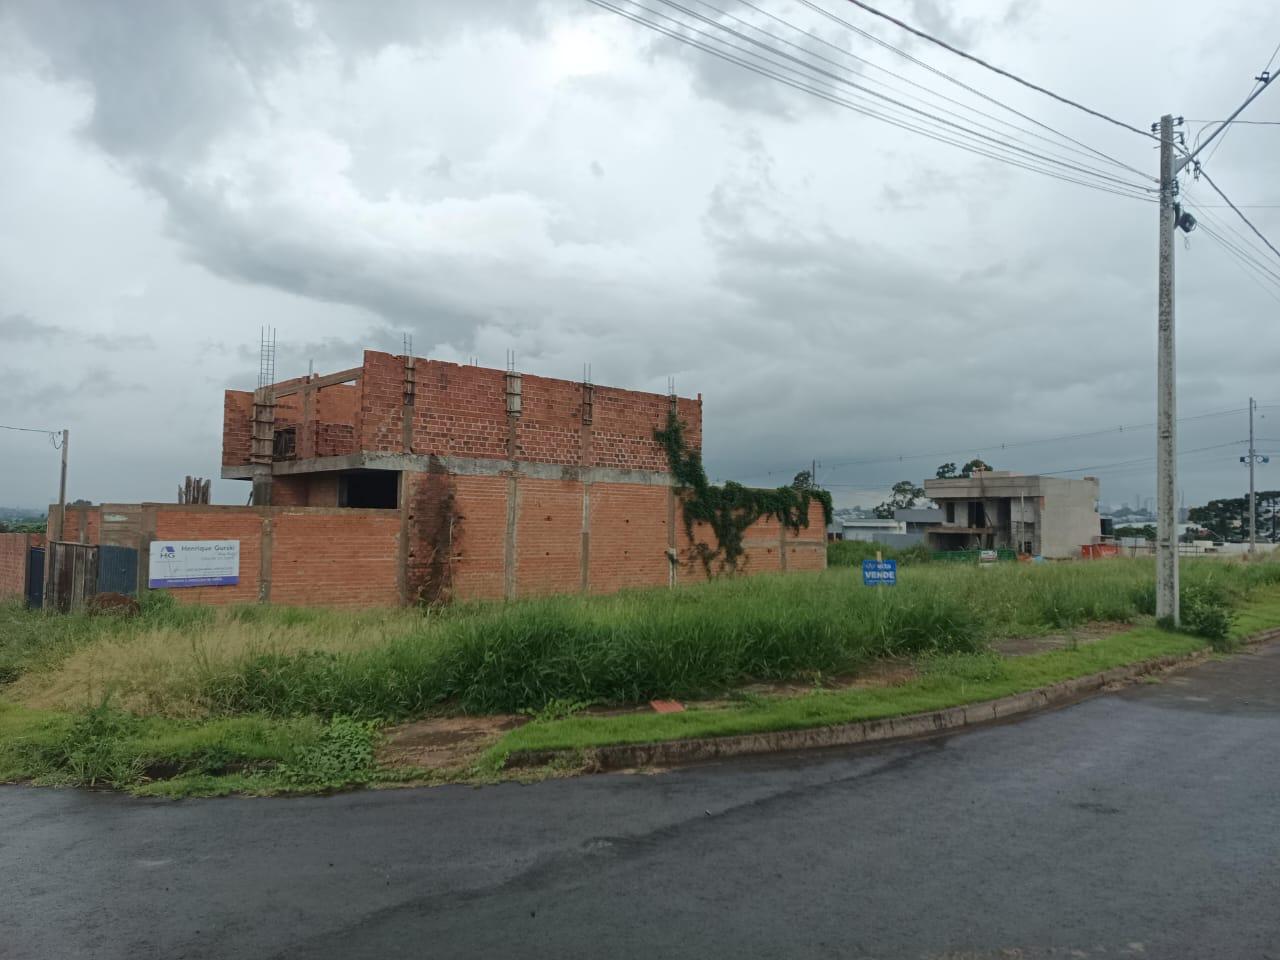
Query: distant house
(874, 530)
(1047, 516)
(918, 519)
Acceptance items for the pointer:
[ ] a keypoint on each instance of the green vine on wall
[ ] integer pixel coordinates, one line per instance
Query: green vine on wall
(731, 509)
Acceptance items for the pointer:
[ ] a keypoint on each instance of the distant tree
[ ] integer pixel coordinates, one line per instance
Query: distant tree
(1227, 518)
(946, 471)
(975, 466)
(1147, 532)
(803, 481)
(903, 496)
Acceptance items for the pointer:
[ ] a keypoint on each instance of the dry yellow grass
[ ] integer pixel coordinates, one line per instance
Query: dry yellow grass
(160, 670)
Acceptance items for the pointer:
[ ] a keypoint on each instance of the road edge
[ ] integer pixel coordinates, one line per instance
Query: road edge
(666, 753)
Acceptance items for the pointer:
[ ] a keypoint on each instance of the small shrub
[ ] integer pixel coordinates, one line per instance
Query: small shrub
(95, 750)
(1206, 613)
(343, 755)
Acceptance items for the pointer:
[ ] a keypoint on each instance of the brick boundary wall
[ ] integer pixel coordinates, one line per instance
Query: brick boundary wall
(298, 556)
(458, 537)
(13, 563)
(515, 536)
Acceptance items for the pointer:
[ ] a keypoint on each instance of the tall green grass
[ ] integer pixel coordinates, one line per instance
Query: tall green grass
(494, 657)
(696, 641)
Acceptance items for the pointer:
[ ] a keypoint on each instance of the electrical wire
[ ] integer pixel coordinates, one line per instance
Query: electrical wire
(1072, 145)
(973, 449)
(844, 81)
(1002, 72)
(1249, 223)
(993, 152)
(55, 436)
(946, 76)
(1269, 282)
(1246, 243)
(1125, 463)
(1225, 132)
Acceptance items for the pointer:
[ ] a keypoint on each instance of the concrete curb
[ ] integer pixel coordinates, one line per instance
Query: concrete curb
(674, 752)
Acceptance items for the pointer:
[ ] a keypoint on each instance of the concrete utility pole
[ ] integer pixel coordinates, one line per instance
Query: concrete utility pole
(1166, 399)
(62, 487)
(1253, 507)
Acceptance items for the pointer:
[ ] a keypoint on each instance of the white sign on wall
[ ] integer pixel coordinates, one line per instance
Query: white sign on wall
(194, 563)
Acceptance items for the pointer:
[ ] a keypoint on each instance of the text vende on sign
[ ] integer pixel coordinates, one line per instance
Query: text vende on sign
(194, 563)
(880, 573)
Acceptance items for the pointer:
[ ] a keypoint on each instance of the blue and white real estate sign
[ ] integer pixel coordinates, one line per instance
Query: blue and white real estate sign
(194, 563)
(880, 573)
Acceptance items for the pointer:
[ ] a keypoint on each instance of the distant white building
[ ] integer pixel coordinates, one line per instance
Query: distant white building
(874, 530)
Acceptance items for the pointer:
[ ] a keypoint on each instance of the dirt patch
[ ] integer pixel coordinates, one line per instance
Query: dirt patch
(443, 743)
(1066, 640)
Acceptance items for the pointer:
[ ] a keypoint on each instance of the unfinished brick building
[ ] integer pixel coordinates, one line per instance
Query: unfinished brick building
(505, 484)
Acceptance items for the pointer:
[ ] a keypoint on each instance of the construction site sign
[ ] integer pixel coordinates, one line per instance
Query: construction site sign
(194, 563)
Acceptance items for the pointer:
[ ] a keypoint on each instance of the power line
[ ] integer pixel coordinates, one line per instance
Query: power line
(1249, 223)
(1004, 445)
(964, 86)
(1126, 463)
(1124, 189)
(1081, 148)
(55, 436)
(1242, 240)
(1257, 273)
(994, 69)
(806, 65)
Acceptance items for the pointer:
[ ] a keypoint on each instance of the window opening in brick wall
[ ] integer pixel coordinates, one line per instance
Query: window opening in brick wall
(284, 443)
(375, 489)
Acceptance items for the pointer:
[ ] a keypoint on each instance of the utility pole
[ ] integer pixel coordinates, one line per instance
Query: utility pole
(1253, 507)
(1166, 399)
(62, 488)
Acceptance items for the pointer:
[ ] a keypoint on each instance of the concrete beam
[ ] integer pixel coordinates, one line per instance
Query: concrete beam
(319, 383)
(459, 466)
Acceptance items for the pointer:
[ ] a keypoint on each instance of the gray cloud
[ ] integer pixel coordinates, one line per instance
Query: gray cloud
(18, 327)
(348, 173)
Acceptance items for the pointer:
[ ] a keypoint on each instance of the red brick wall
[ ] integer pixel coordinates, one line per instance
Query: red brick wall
(462, 411)
(628, 537)
(549, 429)
(548, 537)
(323, 558)
(13, 563)
(216, 523)
(623, 422)
(89, 517)
(480, 529)
(347, 558)
(291, 490)
(626, 548)
(237, 427)
(382, 403)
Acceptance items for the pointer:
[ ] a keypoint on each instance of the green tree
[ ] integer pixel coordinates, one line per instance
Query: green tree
(804, 481)
(1147, 532)
(904, 494)
(975, 466)
(946, 471)
(1227, 518)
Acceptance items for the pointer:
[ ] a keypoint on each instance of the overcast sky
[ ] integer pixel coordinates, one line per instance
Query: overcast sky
(553, 179)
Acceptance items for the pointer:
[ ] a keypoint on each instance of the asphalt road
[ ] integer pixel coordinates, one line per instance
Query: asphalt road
(1138, 824)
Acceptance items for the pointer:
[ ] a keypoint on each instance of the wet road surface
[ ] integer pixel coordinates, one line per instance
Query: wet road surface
(1139, 824)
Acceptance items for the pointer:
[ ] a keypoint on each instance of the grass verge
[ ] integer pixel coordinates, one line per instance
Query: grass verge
(695, 642)
(947, 681)
(195, 701)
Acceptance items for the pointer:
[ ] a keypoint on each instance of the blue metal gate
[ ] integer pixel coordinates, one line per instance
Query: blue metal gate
(35, 577)
(117, 569)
